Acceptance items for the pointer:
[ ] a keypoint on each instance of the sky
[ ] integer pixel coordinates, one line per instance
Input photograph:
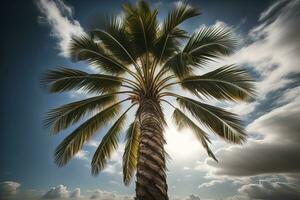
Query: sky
(34, 38)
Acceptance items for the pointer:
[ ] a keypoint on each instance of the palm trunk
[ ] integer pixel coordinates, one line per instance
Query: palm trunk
(151, 176)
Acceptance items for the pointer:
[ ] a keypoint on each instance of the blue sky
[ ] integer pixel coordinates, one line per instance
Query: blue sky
(35, 37)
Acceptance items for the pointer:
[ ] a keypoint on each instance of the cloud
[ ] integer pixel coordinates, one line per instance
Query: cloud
(59, 17)
(211, 183)
(58, 192)
(275, 151)
(104, 195)
(75, 194)
(82, 155)
(8, 189)
(193, 197)
(266, 190)
(275, 48)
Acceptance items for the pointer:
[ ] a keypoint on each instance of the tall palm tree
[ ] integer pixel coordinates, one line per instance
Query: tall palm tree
(138, 61)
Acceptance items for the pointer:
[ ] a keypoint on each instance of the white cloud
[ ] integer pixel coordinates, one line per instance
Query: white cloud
(8, 189)
(104, 195)
(211, 183)
(75, 194)
(93, 143)
(59, 17)
(275, 50)
(82, 155)
(58, 192)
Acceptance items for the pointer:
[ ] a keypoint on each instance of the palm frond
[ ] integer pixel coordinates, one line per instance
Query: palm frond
(179, 64)
(227, 82)
(181, 120)
(179, 14)
(66, 79)
(108, 145)
(209, 43)
(84, 48)
(74, 142)
(131, 151)
(115, 31)
(168, 40)
(225, 124)
(141, 23)
(62, 117)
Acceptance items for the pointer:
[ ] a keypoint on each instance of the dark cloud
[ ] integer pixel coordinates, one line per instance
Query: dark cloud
(277, 152)
(267, 190)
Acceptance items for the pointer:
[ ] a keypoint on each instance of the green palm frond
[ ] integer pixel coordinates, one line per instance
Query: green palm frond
(66, 79)
(84, 48)
(168, 39)
(74, 142)
(210, 42)
(181, 120)
(115, 39)
(207, 45)
(140, 21)
(131, 151)
(227, 82)
(225, 124)
(108, 145)
(62, 117)
(117, 47)
(180, 64)
(179, 14)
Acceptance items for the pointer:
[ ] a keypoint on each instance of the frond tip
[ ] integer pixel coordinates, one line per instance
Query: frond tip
(225, 124)
(131, 151)
(181, 120)
(227, 82)
(75, 141)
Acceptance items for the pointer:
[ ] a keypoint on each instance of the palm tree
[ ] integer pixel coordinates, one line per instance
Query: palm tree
(138, 61)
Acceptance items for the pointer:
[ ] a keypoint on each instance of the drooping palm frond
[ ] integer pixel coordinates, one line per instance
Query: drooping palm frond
(181, 120)
(66, 79)
(62, 117)
(84, 48)
(108, 145)
(227, 82)
(225, 124)
(167, 42)
(74, 142)
(131, 151)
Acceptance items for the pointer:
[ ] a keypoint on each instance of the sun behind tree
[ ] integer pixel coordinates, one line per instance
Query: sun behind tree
(139, 61)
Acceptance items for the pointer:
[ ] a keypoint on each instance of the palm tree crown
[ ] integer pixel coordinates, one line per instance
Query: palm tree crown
(138, 61)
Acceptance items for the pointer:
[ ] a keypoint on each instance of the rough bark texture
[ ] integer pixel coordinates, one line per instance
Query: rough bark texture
(151, 168)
